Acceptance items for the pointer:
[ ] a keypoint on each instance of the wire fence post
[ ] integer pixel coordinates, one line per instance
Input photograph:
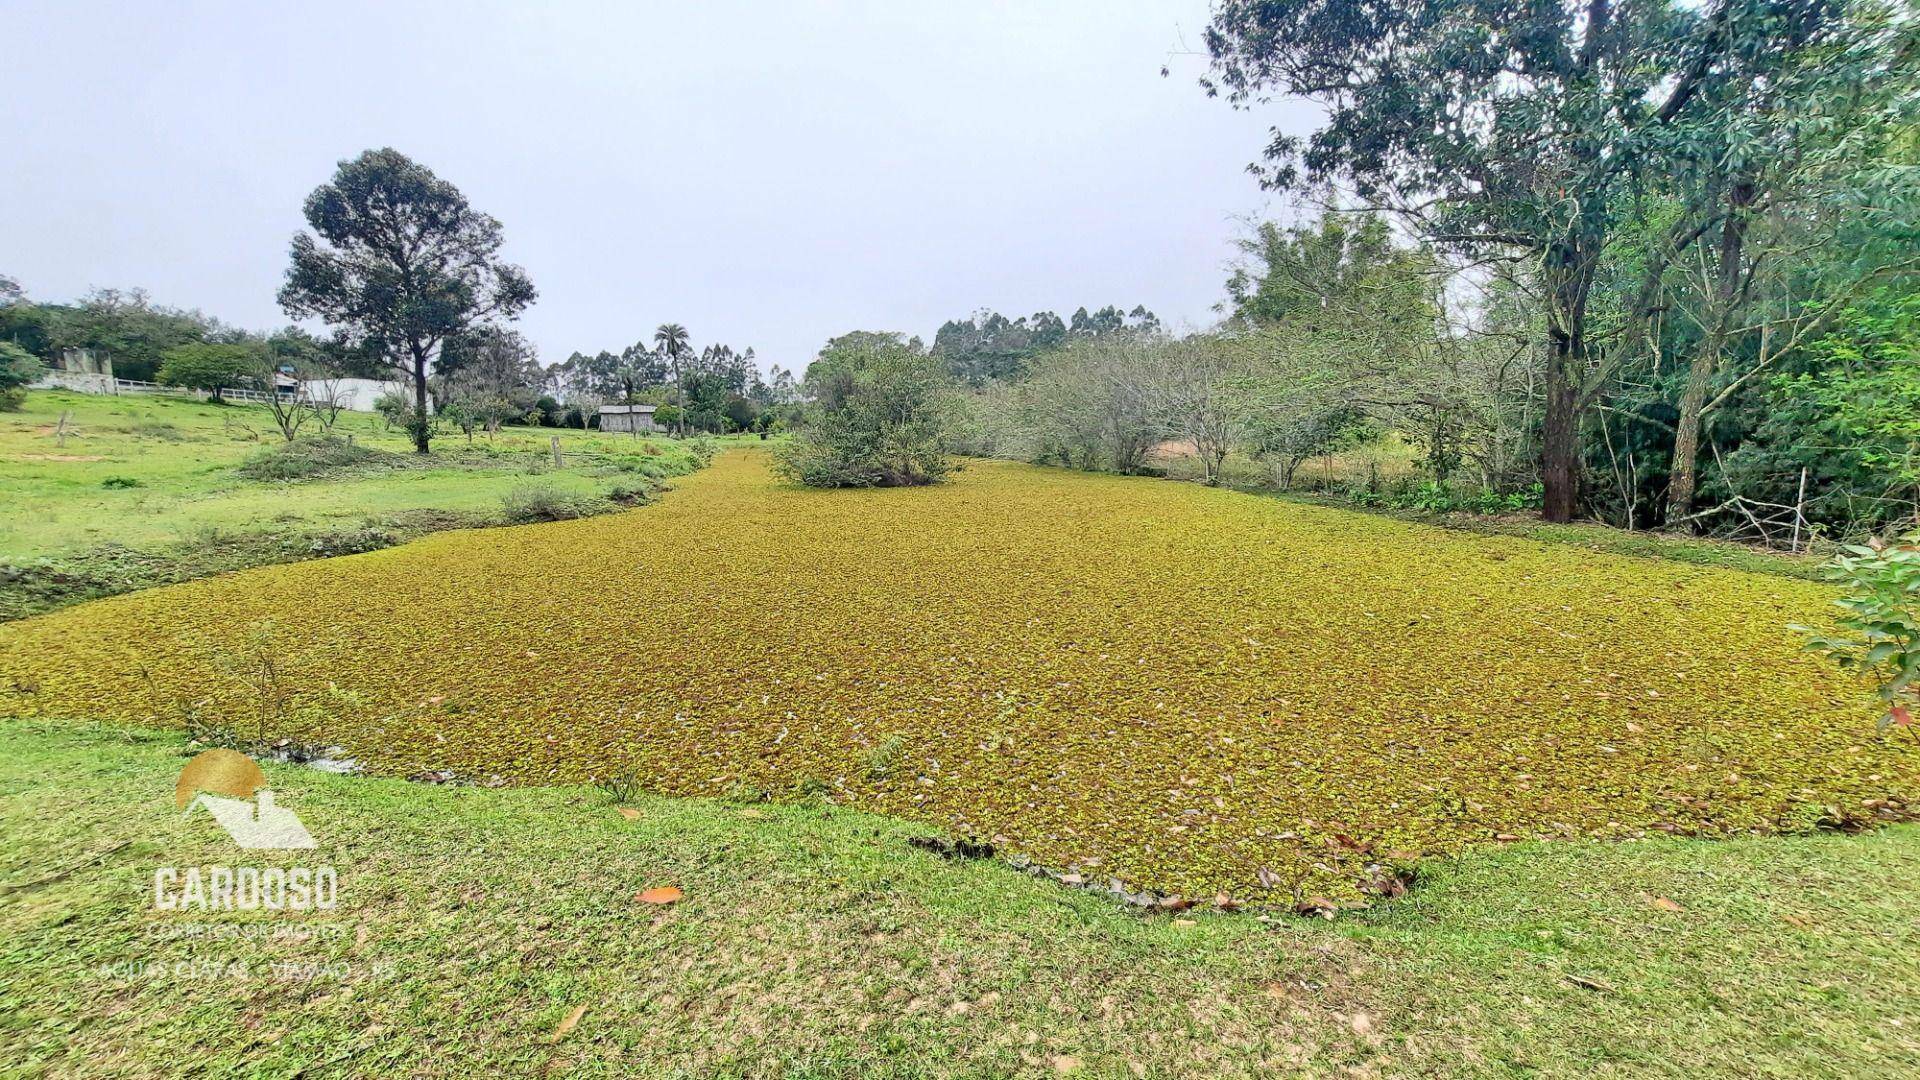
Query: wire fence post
(1800, 510)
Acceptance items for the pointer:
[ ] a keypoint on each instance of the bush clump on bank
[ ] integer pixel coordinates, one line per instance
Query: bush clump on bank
(538, 501)
(883, 417)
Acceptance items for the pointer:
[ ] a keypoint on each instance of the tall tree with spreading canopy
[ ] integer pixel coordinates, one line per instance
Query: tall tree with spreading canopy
(1523, 132)
(400, 264)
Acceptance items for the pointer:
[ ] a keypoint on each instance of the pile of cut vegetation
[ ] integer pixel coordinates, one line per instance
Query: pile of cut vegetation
(321, 455)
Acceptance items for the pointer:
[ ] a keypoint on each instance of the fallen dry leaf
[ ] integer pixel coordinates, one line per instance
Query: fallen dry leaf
(660, 894)
(1590, 983)
(630, 813)
(567, 1024)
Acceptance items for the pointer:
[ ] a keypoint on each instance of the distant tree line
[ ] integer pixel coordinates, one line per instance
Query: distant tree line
(123, 324)
(714, 390)
(881, 409)
(406, 276)
(988, 345)
(1652, 263)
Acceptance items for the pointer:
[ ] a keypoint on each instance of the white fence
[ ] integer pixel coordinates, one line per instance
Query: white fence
(229, 393)
(90, 383)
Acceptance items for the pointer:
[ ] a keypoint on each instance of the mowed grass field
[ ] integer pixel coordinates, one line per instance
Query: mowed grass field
(1193, 691)
(146, 490)
(180, 456)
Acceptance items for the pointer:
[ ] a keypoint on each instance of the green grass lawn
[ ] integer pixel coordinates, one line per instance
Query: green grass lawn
(813, 941)
(146, 489)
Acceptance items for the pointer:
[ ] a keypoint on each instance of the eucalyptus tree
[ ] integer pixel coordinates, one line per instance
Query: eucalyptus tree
(400, 263)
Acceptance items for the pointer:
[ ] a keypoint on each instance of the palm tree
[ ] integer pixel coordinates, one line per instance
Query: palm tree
(671, 339)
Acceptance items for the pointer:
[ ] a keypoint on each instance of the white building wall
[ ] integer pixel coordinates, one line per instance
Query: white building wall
(358, 395)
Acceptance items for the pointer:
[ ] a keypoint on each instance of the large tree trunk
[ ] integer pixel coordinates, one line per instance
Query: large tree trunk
(1560, 444)
(1568, 268)
(418, 422)
(1683, 481)
(1565, 384)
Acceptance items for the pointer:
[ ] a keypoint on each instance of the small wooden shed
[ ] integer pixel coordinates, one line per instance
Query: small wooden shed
(627, 418)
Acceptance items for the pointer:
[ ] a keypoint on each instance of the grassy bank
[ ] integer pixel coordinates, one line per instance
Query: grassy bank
(146, 490)
(1326, 481)
(813, 941)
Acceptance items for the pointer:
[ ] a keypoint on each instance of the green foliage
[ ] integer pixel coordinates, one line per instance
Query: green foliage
(741, 414)
(487, 379)
(1865, 388)
(1329, 271)
(620, 788)
(1089, 404)
(632, 494)
(393, 407)
(885, 756)
(1632, 168)
(209, 367)
(124, 327)
(1432, 497)
(18, 369)
(703, 449)
(1879, 634)
(1288, 436)
(884, 416)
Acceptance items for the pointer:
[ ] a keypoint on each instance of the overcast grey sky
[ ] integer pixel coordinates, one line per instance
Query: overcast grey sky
(768, 174)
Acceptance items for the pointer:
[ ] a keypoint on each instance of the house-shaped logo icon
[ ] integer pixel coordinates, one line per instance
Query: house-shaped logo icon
(244, 806)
